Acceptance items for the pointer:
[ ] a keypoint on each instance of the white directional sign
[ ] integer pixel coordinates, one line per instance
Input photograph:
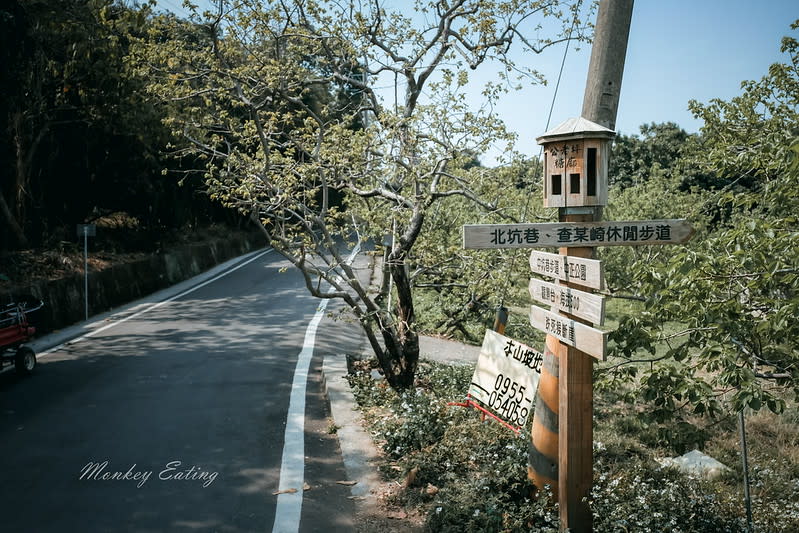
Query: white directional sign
(581, 304)
(577, 234)
(585, 272)
(506, 378)
(584, 338)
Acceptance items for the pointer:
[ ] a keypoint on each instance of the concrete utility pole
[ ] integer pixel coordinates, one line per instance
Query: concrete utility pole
(575, 449)
(602, 88)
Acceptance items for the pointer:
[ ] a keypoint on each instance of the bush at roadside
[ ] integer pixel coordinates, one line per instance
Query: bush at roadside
(469, 475)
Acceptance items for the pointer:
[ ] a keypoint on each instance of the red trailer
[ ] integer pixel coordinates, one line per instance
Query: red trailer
(15, 331)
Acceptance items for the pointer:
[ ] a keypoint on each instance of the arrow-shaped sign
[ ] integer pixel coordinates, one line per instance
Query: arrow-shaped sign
(585, 272)
(584, 338)
(577, 234)
(581, 304)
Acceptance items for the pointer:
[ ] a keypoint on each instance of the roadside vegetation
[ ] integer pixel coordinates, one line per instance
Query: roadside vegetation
(465, 474)
(281, 105)
(700, 333)
(270, 113)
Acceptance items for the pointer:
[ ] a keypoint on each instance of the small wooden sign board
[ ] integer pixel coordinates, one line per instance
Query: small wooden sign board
(590, 307)
(585, 338)
(506, 378)
(585, 272)
(577, 234)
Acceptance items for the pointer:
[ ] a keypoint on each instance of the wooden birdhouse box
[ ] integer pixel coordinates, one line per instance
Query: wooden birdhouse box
(576, 155)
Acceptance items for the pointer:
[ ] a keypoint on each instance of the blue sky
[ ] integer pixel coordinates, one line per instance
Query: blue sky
(678, 50)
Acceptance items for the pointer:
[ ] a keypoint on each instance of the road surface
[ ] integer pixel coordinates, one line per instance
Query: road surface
(173, 417)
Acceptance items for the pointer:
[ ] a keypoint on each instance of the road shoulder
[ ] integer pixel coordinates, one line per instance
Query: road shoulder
(361, 456)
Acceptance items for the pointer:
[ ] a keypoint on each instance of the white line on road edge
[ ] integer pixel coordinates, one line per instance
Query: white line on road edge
(154, 306)
(292, 466)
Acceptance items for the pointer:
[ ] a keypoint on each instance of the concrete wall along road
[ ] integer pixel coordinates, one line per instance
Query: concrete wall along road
(125, 282)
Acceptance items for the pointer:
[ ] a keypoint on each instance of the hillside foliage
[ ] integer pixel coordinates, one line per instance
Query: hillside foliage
(716, 331)
(80, 138)
(273, 112)
(281, 104)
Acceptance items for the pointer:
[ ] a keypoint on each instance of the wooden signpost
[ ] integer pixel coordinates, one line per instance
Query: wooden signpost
(585, 272)
(577, 234)
(574, 312)
(572, 270)
(585, 305)
(576, 154)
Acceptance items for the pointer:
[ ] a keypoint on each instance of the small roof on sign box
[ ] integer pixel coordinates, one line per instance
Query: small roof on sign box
(576, 128)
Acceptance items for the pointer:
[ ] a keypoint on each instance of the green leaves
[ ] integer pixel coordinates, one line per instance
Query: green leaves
(284, 106)
(719, 313)
(747, 139)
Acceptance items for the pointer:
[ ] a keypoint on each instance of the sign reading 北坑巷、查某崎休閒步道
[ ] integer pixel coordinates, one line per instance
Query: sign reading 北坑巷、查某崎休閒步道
(577, 234)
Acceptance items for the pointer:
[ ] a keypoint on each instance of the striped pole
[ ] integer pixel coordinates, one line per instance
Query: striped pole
(501, 319)
(542, 465)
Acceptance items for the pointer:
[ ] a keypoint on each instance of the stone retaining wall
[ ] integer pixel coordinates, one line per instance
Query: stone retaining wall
(123, 283)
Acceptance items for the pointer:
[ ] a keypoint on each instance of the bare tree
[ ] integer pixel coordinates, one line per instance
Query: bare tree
(317, 117)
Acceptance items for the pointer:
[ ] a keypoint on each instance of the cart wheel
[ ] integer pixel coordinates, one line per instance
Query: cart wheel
(25, 361)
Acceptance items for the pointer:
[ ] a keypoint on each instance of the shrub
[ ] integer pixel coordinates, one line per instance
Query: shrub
(644, 497)
(471, 475)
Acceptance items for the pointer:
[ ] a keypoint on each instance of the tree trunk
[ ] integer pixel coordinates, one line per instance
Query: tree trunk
(21, 167)
(23, 164)
(401, 339)
(16, 229)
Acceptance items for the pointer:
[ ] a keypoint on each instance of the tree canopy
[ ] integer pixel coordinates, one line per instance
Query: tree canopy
(79, 134)
(725, 305)
(281, 103)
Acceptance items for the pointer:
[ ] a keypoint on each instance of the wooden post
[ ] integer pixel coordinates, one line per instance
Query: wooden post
(501, 319)
(603, 85)
(600, 104)
(542, 463)
(576, 430)
(576, 440)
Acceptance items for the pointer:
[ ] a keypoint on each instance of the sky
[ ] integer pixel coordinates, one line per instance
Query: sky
(678, 50)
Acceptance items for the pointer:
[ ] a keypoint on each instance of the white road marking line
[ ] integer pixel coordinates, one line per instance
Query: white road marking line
(292, 466)
(154, 306)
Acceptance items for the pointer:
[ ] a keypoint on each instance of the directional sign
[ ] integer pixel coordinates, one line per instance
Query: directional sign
(87, 230)
(585, 272)
(577, 234)
(584, 338)
(506, 378)
(581, 304)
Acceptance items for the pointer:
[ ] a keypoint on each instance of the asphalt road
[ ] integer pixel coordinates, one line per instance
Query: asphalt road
(174, 419)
